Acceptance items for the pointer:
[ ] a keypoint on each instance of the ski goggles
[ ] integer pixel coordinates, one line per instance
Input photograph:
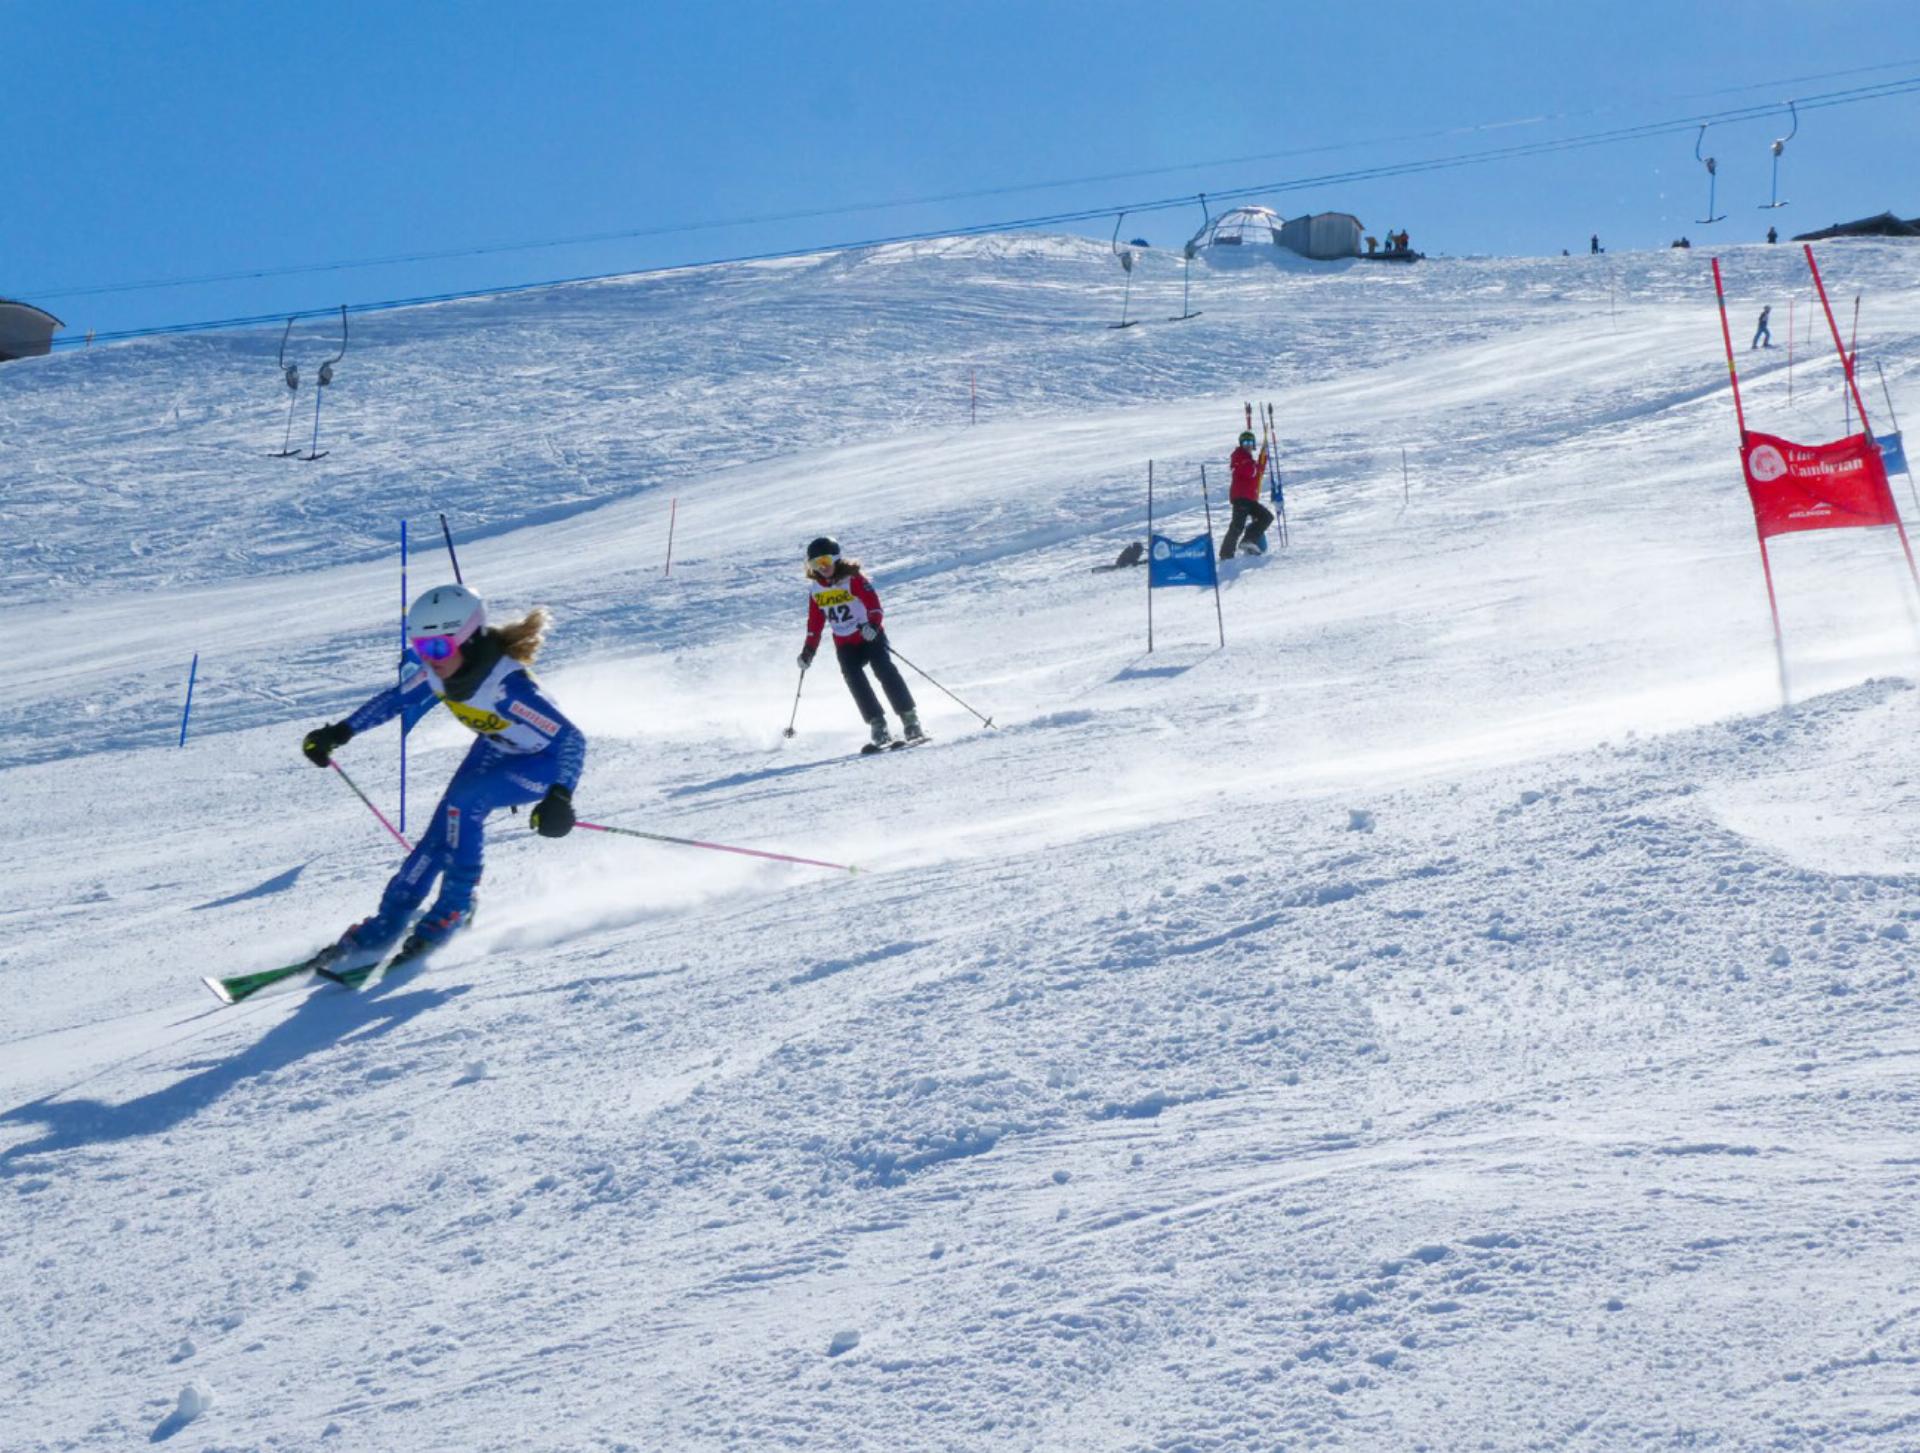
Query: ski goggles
(435, 648)
(823, 564)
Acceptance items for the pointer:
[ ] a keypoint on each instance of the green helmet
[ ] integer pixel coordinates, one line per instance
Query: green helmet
(1247, 438)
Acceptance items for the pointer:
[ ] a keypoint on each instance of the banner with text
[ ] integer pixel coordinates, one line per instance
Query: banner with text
(1816, 486)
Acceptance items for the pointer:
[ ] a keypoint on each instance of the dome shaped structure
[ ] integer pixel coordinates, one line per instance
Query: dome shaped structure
(1241, 227)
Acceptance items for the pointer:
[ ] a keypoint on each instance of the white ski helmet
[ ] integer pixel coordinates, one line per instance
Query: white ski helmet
(447, 612)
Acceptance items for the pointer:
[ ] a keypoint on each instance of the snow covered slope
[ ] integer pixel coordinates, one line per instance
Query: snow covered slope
(1464, 1011)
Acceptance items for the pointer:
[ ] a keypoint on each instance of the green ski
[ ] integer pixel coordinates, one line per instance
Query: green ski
(351, 978)
(242, 986)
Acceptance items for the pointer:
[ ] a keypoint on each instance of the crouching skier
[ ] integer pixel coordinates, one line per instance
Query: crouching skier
(843, 598)
(526, 752)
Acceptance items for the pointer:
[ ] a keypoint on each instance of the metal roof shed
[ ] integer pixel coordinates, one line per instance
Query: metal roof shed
(25, 331)
(1323, 235)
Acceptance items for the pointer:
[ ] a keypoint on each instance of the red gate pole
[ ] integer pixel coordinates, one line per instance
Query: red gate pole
(1766, 565)
(1859, 403)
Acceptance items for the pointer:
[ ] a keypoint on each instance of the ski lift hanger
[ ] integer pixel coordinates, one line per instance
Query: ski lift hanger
(291, 373)
(1780, 145)
(1191, 250)
(1125, 254)
(314, 451)
(1713, 176)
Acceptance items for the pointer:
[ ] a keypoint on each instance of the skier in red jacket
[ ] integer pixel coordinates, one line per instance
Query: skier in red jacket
(843, 598)
(1247, 474)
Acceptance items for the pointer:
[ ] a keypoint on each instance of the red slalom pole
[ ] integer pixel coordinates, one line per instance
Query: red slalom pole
(687, 842)
(1726, 336)
(1846, 363)
(1766, 565)
(370, 807)
(1853, 383)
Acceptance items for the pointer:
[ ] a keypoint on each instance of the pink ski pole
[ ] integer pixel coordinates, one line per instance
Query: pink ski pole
(370, 807)
(687, 842)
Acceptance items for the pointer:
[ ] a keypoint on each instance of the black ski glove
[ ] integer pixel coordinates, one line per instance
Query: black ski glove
(806, 658)
(322, 742)
(552, 815)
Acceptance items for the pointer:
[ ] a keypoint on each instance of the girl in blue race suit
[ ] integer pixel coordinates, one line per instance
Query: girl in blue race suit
(526, 752)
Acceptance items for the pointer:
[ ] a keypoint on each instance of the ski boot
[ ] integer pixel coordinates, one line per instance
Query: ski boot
(910, 726)
(881, 741)
(356, 952)
(431, 932)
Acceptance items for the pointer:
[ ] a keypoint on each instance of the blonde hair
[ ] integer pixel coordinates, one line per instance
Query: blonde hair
(522, 639)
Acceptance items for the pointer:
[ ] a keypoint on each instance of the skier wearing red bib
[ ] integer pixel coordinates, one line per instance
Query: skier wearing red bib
(842, 598)
(1245, 494)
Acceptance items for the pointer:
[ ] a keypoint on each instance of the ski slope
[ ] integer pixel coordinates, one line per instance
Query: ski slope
(1465, 1010)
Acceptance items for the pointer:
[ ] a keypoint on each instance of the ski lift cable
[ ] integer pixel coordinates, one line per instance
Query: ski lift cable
(1881, 91)
(630, 234)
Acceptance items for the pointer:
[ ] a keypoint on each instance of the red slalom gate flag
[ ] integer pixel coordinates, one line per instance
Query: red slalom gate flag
(1816, 486)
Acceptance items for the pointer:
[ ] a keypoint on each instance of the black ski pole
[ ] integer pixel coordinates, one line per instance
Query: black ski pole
(796, 702)
(891, 651)
(458, 579)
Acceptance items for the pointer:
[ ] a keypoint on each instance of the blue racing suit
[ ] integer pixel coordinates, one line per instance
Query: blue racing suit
(525, 746)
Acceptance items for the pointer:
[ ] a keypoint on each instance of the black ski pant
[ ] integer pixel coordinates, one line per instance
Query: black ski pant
(1246, 511)
(855, 657)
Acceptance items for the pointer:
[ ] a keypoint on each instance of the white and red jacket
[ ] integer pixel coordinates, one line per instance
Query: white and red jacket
(846, 604)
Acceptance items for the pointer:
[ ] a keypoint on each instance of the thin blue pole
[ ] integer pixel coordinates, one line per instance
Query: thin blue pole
(400, 673)
(192, 671)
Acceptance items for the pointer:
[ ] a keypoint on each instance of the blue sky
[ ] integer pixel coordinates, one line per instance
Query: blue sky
(164, 141)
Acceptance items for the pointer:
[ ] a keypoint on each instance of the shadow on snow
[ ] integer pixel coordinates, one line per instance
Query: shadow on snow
(278, 883)
(325, 1018)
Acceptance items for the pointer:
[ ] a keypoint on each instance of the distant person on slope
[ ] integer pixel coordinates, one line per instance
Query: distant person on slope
(1593, 245)
(1762, 334)
(526, 752)
(843, 598)
(1245, 494)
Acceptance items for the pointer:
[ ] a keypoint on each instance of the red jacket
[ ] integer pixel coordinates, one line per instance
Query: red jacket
(1247, 472)
(845, 604)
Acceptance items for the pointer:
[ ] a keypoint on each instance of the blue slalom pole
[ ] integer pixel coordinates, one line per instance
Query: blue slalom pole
(400, 672)
(186, 711)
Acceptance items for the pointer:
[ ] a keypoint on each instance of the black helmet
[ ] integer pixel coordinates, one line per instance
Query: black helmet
(1247, 439)
(823, 545)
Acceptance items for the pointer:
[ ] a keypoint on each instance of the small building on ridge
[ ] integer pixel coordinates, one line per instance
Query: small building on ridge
(1247, 232)
(25, 331)
(1323, 235)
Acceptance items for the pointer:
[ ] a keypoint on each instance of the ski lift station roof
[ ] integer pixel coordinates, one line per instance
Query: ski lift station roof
(25, 331)
(1248, 230)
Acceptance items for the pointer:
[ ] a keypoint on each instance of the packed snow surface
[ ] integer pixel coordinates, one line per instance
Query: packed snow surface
(1467, 1010)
